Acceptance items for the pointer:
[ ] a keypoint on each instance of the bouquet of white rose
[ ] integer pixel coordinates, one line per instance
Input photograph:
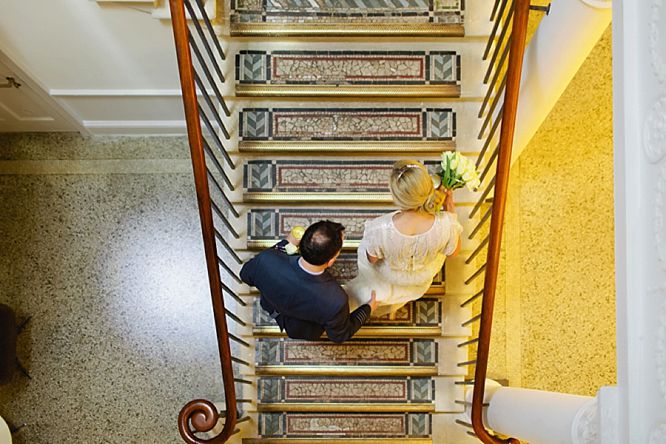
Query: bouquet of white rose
(457, 171)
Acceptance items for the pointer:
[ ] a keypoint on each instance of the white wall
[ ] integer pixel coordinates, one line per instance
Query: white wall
(112, 65)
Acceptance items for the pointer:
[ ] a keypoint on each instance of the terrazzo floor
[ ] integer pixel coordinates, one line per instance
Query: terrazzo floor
(107, 262)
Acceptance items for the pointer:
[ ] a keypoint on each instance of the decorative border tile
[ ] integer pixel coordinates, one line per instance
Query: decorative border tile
(395, 352)
(348, 67)
(367, 124)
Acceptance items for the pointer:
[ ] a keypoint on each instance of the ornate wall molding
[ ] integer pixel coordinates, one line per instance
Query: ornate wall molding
(585, 427)
(658, 434)
(661, 344)
(654, 131)
(660, 216)
(655, 29)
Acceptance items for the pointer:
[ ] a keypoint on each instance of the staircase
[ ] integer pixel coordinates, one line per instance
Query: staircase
(317, 114)
(319, 129)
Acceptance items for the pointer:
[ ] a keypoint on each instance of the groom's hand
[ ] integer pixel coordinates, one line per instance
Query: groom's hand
(373, 301)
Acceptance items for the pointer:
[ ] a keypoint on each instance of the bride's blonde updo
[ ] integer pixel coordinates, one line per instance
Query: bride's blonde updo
(412, 187)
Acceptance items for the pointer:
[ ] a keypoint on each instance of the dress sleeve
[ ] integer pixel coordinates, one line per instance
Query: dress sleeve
(454, 230)
(372, 240)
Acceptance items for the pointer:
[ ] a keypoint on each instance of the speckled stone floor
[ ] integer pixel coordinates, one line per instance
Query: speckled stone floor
(108, 265)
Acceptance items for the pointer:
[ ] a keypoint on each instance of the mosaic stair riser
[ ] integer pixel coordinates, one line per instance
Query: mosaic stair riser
(320, 176)
(367, 352)
(424, 312)
(376, 425)
(348, 68)
(346, 11)
(345, 124)
(275, 224)
(345, 269)
(346, 390)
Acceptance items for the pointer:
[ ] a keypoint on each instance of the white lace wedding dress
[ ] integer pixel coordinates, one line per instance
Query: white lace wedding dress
(407, 263)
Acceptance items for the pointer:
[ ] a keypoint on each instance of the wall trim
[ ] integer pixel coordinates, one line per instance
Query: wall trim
(115, 92)
(135, 126)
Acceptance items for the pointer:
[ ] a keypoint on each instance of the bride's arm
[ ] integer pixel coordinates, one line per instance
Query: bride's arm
(372, 259)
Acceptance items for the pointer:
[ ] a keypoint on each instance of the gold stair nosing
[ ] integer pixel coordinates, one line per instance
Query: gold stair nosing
(365, 332)
(262, 244)
(333, 147)
(345, 370)
(277, 197)
(291, 90)
(318, 198)
(346, 30)
(336, 440)
(347, 407)
(438, 290)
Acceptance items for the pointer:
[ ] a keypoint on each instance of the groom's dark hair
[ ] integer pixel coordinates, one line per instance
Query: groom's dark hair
(321, 242)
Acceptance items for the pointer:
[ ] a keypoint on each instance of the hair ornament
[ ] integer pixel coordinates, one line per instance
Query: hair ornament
(405, 168)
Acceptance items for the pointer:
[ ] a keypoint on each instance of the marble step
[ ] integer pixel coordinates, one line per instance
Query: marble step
(348, 73)
(337, 440)
(344, 425)
(345, 268)
(346, 130)
(344, 394)
(374, 18)
(420, 318)
(319, 181)
(356, 357)
(266, 226)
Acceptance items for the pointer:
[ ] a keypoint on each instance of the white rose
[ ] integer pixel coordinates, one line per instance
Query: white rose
(455, 161)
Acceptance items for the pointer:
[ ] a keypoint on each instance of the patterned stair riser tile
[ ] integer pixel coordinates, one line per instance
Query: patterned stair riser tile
(399, 352)
(372, 124)
(348, 11)
(320, 176)
(328, 425)
(345, 269)
(424, 312)
(346, 390)
(264, 224)
(348, 67)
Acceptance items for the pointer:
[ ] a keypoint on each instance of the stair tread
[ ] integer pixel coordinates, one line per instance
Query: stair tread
(339, 407)
(336, 440)
(365, 331)
(346, 370)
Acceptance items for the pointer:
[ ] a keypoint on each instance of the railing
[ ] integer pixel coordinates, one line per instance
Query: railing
(505, 50)
(210, 162)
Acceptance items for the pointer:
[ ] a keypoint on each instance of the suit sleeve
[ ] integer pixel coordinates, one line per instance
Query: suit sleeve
(344, 324)
(249, 270)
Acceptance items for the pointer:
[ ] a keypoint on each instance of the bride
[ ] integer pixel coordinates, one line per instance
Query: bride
(402, 251)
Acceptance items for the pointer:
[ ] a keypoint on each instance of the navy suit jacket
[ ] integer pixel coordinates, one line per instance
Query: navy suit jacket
(303, 305)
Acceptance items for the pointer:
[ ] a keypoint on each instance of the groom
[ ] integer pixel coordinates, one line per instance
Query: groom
(299, 292)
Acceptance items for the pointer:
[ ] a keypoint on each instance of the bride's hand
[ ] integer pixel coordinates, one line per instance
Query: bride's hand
(373, 301)
(448, 202)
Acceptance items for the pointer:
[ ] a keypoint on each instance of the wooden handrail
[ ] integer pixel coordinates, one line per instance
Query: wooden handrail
(201, 415)
(518, 35)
